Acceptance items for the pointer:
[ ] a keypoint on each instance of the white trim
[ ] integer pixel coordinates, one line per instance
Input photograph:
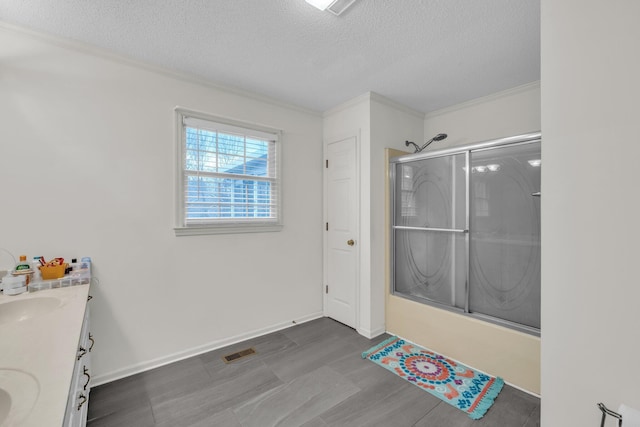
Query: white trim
(178, 177)
(195, 351)
(157, 69)
(371, 333)
(225, 229)
(347, 104)
(184, 116)
(374, 96)
(358, 224)
(325, 219)
(492, 97)
(521, 389)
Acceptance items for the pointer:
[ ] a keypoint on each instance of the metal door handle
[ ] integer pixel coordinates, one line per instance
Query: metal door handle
(81, 352)
(84, 400)
(536, 194)
(85, 372)
(350, 242)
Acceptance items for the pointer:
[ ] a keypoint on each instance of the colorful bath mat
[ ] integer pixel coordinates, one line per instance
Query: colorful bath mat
(468, 390)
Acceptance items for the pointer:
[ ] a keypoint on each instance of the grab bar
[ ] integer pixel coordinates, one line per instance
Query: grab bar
(606, 411)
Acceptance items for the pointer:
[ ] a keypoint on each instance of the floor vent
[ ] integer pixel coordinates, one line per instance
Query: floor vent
(238, 355)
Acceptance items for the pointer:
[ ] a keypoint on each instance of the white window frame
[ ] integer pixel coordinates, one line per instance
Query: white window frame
(227, 225)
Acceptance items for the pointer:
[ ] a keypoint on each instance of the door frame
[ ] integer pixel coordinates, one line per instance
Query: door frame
(325, 216)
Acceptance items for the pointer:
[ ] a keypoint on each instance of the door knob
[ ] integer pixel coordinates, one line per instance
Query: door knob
(350, 242)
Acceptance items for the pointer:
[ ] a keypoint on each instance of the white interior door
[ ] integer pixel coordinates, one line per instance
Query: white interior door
(342, 231)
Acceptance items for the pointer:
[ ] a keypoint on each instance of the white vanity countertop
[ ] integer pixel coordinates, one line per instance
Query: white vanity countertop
(43, 346)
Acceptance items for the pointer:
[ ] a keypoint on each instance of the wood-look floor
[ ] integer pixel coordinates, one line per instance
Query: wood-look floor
(308, 375)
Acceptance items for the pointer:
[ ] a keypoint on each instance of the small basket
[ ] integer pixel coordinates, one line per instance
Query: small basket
(52, 272)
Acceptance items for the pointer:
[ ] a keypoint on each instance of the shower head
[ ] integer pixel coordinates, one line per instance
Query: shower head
(438, 137)
(414, 145)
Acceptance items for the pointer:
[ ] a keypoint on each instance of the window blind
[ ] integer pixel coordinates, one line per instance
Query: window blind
(229, 174)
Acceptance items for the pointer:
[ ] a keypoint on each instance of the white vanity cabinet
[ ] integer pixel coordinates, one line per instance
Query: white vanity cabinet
(78, 403)
(40, 336)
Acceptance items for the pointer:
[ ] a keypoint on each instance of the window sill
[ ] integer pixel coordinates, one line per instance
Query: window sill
(226, 229)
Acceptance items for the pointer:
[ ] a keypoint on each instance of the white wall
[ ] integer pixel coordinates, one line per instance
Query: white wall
(511, 112)
(378, 123)
(86, 168)
(590, 210)
(391, 126)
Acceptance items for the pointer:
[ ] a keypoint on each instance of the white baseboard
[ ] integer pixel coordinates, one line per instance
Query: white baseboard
(523, 390)
(165, 360)
(368, 333)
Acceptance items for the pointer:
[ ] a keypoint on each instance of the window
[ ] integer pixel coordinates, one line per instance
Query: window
(228, 176)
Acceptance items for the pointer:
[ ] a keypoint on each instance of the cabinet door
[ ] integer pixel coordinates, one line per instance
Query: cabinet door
(78, 414)
(78, 402)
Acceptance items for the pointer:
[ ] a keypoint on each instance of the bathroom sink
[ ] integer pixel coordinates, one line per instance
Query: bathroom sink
(19, 392)
(27, 308)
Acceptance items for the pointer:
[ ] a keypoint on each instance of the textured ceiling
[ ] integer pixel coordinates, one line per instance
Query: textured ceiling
(426, 54)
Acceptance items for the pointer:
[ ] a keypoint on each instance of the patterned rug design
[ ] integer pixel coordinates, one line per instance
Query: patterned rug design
(460, 386)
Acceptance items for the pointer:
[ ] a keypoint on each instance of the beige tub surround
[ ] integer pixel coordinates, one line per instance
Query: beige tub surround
(39, 334)
(496, 350)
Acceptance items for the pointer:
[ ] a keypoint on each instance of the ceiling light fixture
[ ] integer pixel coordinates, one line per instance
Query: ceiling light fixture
(334, 6)
(320, 4)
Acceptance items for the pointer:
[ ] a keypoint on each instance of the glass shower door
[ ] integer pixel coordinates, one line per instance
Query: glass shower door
(430, 229)
(505, 233)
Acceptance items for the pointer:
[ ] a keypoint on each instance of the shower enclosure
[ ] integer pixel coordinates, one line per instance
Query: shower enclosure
(466, 230)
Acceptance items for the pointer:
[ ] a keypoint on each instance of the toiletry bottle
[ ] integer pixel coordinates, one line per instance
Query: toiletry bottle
(23, 264)
(23, 268)
(70, 266)
(85, 269)
(35, 266)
